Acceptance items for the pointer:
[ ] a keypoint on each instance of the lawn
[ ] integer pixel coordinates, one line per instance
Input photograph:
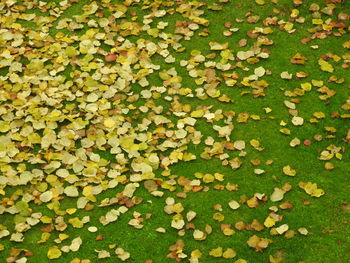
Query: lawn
(162, 131)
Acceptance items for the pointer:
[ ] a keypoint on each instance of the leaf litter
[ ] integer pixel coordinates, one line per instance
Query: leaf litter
(81, 117)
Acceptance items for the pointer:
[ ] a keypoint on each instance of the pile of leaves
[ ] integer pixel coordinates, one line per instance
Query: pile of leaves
(105, 104)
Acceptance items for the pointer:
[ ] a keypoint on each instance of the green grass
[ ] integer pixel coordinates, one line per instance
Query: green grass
(325, 218)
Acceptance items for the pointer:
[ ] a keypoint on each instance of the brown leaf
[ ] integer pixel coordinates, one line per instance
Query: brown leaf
(242, 42)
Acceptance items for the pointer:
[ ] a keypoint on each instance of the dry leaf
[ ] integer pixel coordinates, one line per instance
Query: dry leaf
(216, 252)
(54, 253)
(311, 189)
(277, 195)
(234, 204)
(287, 170)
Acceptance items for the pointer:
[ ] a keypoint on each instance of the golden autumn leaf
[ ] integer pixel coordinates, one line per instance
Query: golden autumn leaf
(216, 252)
(311, 189)
(54, 252)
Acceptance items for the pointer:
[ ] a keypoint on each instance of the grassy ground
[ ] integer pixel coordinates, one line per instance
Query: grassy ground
(325, 218)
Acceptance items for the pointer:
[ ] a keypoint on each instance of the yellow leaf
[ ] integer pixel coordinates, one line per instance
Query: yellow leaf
(76, 222)
(253, 241)
(198, 235)
(109, 123)
(260, 2)
(294, 13)
(287, 170)
(306, 86)
(218, 217)
(229, 253)
(234, 204)
(63, 236)
(46, 219)
(218, 46)
(319, 115)
(219, 177)
(54, 253)
(325, 66)
(44, 237)
(269, 222)
(288, 26)
(285, 131)
(255, 143)
(346, 44)
(267, 110)
(317, 21)
(281, 229)
(330, 129)
(216, 252)
(311, 189)
(297, 121)
(196, 253)
(4, 126)
(208, 178)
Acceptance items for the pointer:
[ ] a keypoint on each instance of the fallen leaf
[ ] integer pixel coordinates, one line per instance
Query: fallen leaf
(303, 231)
(234, 204)
(216, 252)
(297, 121)
(325, 66)
(258, 243)
(311, 189)
(229, 253)
(54, 252)
(277, 195)
(287, 170)
(282, 229)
